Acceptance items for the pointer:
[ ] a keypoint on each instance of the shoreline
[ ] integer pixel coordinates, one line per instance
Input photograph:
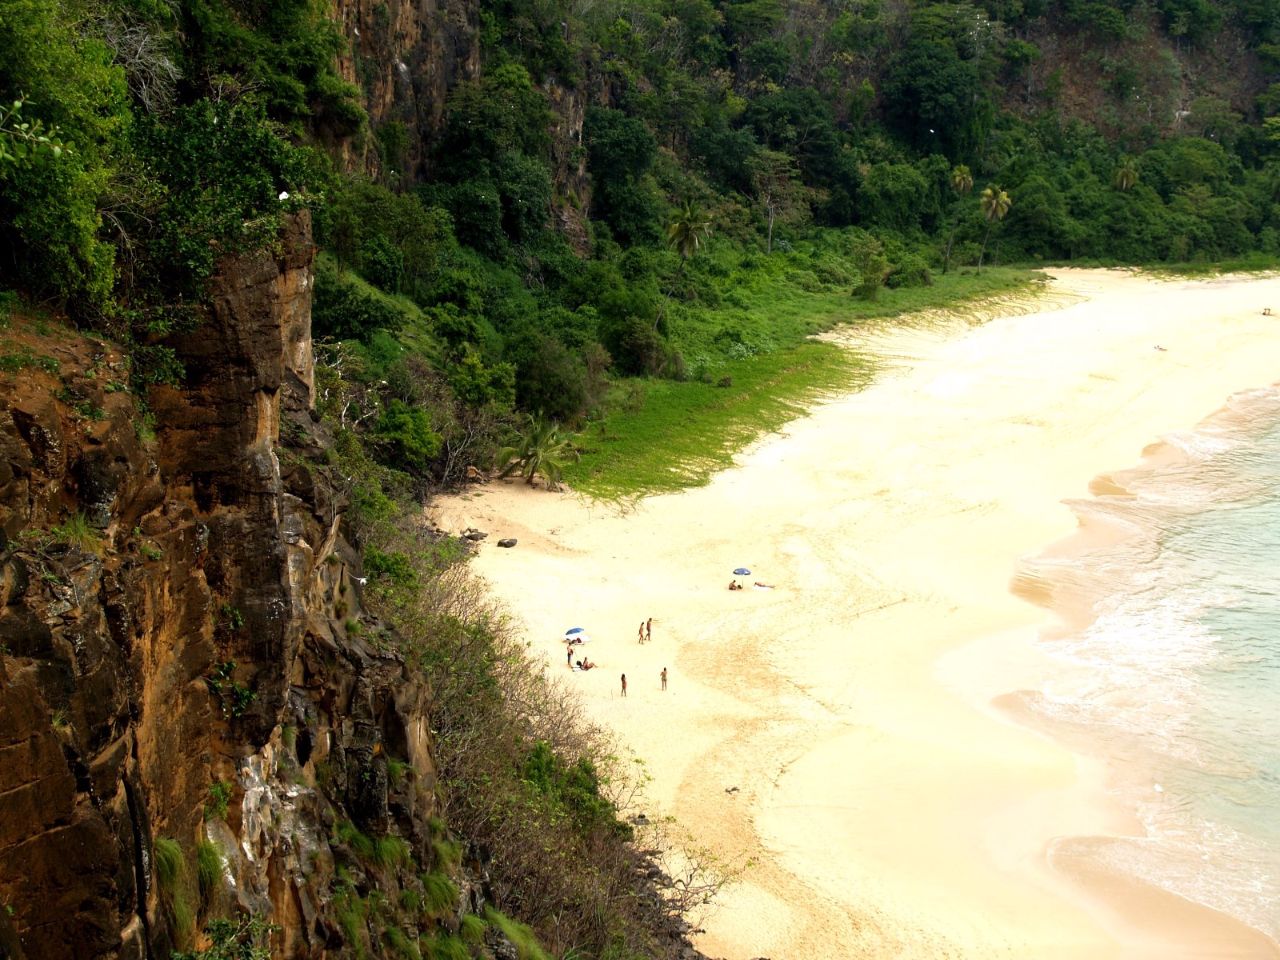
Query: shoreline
(888, 808)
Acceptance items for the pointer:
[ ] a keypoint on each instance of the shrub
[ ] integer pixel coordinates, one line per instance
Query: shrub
(911, 270)
(393, 566)
(407, 436)
(551, 380)
(232, 940)
(215, 808)
(345, 307)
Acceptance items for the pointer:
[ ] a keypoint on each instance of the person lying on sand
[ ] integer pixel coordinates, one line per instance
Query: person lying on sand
(763, 586)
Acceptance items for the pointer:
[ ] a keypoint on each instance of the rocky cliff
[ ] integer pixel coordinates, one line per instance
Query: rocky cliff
(405, 56)
(191, 718)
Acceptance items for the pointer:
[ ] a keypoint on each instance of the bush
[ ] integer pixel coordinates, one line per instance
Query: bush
(406, 434)
(636, 347)
(551, 380)
(911, 270)
(345, 307)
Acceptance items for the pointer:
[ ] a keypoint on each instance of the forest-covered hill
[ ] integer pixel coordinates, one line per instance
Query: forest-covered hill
(532, 185)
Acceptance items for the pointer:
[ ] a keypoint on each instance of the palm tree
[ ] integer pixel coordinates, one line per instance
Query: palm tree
(688, 230)
(995, 203)
(1126, 175)
(961, 183)
(541, 450)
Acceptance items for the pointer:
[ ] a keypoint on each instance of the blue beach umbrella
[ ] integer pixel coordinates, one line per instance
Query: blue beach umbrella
(573, 631)
(742, 572)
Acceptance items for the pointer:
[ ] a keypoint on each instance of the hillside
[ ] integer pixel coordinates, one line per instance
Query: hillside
(272, 273)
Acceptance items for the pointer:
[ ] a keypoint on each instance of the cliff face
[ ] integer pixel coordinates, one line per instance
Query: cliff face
(179, 656)
(406, 55)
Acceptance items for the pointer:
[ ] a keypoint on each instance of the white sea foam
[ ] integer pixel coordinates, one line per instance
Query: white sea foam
(1176, 678)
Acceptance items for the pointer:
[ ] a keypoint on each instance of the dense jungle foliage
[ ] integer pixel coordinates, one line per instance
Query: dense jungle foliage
(748, 172)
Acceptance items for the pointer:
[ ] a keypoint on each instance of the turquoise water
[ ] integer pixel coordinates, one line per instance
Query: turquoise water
(1176, 682)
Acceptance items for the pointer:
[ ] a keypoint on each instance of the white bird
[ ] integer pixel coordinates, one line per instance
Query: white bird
(284, 194)
(362, 580)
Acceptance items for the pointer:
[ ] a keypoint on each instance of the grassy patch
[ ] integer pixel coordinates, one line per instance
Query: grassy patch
(171, 879)
(663, 435)
(208, 870)
(520, 936)
(78, 533)
(1256, 262)
(681, 433)
(439, 895)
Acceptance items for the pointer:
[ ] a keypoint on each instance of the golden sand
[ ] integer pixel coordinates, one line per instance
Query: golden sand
(888, 807)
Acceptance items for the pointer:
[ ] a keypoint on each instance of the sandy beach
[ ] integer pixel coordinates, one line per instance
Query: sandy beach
(888, 807)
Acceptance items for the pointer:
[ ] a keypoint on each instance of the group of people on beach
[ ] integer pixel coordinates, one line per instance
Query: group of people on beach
(643, 635)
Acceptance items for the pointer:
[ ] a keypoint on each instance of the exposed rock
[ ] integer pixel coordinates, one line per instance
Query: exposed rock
(475, 536)
(507, 542)
(174, 644)
(406, 55)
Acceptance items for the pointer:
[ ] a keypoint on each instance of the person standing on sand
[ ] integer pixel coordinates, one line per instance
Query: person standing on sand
(648, 629)
(664, 678)
(624, 684)
(568, 656)
(640, 635)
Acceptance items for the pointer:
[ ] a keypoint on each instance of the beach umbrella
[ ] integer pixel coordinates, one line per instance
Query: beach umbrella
(742, 572)
(573, 630)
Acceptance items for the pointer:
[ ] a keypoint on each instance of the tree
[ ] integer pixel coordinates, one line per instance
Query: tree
(687, 231)
(1125, 176)
(540, 450)
(775, 182)
(995, 203)
(23, 140)
(961, 180)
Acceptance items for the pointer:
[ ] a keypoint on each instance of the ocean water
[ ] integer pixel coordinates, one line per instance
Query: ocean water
(1174, 679)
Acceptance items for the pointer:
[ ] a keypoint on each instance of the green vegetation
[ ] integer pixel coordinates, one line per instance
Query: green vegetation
(173, 882)
(215, 808)
(541, 450)
(209, 871)
(439, 894)
(78, 533)
(243, 939)
(521, 937)
(233, 697)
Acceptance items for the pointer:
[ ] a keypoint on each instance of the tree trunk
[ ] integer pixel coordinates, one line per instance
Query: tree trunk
(946, 254)
(984, 244)
(769, 244)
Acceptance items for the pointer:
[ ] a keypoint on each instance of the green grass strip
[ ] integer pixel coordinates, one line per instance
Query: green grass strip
(663, 436)
(685, 432)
